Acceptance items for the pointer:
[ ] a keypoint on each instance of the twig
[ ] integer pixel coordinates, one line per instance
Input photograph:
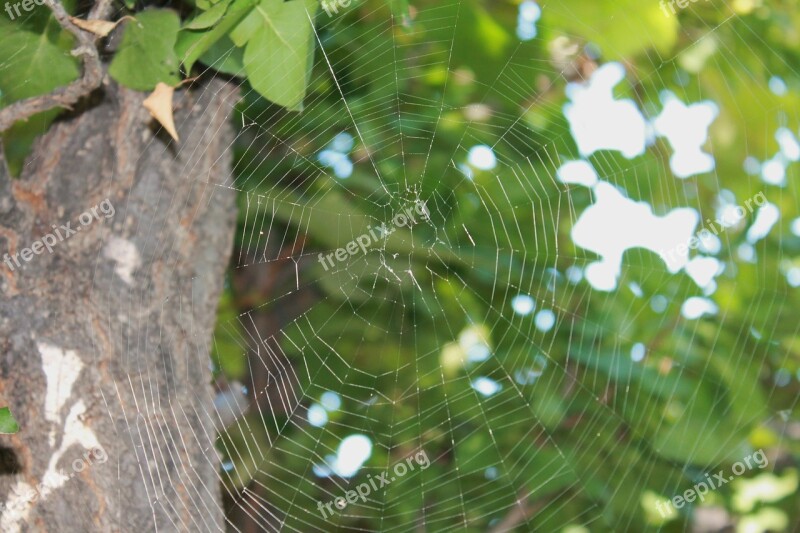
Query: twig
(68, 95)
(100, 11)
(522, 510)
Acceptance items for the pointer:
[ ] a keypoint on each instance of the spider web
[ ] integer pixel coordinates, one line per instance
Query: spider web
(471, 334)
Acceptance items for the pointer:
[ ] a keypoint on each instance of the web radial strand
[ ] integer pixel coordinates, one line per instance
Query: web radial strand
(482, 343)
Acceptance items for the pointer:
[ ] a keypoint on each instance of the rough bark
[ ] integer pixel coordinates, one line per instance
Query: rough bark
(105, 340)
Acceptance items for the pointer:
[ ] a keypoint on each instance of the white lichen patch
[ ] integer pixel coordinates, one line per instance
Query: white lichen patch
(126, 256)
(61, 369)
(17, 507)
(23, 497)
(75, 432)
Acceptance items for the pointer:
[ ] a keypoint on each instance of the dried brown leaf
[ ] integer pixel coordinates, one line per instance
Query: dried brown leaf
(100, 28)
(159, 104)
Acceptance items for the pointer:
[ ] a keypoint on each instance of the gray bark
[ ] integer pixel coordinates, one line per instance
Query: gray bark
(105, 340)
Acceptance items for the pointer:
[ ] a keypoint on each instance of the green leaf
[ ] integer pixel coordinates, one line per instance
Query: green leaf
(208, 18)
(146, 55)
(8, 424)
(277, 58)
(224, 57)
(32, 64)
(193, 44)
(247, 28)
(42, 20)
(18, 140)
(620, 28)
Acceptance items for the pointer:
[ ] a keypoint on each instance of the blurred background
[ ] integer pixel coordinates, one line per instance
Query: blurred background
(560, 374)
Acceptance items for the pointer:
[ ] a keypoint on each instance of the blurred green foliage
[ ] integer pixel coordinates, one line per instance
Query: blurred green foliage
(596, 439)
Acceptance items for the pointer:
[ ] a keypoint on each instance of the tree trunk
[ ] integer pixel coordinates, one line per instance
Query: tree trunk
(105, 340)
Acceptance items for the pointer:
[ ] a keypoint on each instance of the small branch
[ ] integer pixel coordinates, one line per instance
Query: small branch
(100, 11)
(519, 513)
(70, 94)
(522, 510)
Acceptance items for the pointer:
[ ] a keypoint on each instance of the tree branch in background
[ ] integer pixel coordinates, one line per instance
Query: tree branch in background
(70, 94)
(521, 512)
